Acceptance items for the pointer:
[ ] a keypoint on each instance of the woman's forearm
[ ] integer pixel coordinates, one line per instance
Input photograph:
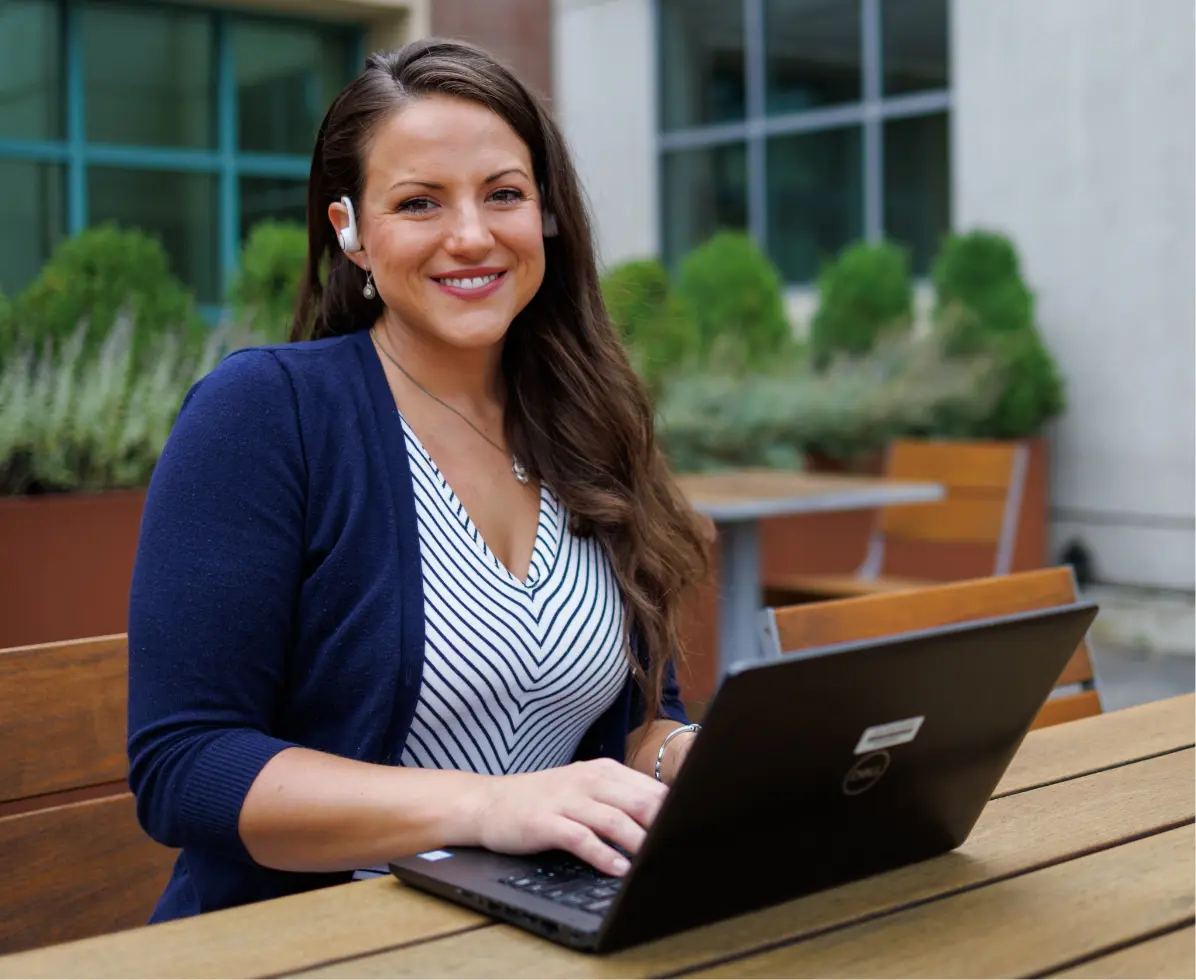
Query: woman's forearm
(310, 811)
(644, 743)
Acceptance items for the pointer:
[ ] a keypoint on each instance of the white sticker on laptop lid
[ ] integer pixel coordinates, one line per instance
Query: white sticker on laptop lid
(434, 855)
(893, 733)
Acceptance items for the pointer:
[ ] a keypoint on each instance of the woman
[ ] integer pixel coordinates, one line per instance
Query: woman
(413, 580)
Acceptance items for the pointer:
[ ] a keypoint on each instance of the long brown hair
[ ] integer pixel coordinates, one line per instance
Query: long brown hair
(576, 412)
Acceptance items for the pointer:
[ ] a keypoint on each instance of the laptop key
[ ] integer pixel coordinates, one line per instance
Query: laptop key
(599, 906)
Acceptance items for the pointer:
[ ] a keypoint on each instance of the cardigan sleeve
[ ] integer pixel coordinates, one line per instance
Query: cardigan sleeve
(218, 568)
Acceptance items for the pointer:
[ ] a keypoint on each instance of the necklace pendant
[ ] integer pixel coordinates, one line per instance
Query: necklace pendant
(519, 470)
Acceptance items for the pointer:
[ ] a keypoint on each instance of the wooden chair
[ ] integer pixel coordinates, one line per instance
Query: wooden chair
(817, 624)
(75, 861)
(984, 484)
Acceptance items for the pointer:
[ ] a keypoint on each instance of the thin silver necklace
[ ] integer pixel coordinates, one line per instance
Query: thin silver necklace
(517, 467)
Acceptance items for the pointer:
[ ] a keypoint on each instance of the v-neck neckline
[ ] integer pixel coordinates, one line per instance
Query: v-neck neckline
(398, 463)
(545, 545)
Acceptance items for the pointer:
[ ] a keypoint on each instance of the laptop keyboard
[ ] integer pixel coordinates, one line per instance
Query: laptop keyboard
(569, 882)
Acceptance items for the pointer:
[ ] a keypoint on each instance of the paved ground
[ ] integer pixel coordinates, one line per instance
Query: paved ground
(1127, 676)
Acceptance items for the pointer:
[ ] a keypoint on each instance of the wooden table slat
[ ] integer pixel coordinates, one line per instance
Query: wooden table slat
(1170, 955)
(1013, 835)
(257, 940)
(1112, 739)
(1116, 895)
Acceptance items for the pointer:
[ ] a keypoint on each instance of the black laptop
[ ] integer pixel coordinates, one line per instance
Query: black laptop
(818, 768)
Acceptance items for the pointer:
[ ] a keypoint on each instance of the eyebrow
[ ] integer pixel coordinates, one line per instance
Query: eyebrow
(439, 187)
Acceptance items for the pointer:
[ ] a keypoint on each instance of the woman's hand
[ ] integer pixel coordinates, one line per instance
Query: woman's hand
(570, 808)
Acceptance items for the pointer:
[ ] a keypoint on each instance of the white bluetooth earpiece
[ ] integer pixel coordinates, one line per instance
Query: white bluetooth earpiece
(348, 235)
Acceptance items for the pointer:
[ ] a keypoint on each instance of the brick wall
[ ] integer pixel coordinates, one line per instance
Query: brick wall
(517, 31)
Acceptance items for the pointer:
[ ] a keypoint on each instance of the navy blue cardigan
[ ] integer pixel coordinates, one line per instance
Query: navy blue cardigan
(277, 600)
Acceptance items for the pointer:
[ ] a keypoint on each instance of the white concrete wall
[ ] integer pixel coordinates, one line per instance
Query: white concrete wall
(604, 88)
(1073, 133)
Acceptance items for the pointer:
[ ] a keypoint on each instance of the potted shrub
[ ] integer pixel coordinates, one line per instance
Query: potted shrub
(983, 304)
(95, 357)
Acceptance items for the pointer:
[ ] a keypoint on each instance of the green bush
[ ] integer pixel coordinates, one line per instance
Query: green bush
(983, 305)
(267, 285)
(734, 295)
(980, 271)
(99, 274)
(661, 337)
(864, 292)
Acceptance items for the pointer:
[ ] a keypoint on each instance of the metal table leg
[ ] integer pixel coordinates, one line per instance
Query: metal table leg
(739, 594)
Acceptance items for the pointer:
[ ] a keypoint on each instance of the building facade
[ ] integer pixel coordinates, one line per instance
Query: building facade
(1067, 124)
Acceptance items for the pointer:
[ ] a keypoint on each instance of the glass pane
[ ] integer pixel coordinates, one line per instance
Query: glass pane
(702, 62)
(815, 198)
(32, 199)
(269, 197)
(704, 190)
(178, 208)
(30, 70)
(918, 185)
(914, 45)
(287, 76)
(812, 53)
(150, 76)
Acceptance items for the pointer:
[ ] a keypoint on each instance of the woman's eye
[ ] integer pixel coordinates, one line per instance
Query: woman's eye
(417, 205)
(507, 195)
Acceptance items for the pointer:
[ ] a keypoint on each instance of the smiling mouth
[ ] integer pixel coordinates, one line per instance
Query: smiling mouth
(473, 282)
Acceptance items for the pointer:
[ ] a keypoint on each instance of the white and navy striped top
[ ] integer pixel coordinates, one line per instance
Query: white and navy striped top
(515, 672)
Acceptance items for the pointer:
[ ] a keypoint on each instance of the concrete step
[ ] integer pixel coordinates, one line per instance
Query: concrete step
(1150, 622)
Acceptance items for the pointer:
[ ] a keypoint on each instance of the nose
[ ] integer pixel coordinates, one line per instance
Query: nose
(469, 234)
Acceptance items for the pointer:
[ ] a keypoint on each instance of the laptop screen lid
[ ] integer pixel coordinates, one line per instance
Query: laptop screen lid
(834, 763)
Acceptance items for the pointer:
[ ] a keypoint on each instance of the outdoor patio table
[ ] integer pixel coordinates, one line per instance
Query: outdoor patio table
(737, 501)
(1081, 865)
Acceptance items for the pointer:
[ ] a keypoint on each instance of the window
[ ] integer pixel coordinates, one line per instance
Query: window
(204, 130)
(809, 123)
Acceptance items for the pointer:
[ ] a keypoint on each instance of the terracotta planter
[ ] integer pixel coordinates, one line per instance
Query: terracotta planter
(835, 543)
(66, 563)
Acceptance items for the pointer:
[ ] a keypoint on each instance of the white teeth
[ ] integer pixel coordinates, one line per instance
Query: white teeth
(477, 282)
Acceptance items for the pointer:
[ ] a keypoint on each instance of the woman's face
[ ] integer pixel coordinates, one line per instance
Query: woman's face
(450, 221)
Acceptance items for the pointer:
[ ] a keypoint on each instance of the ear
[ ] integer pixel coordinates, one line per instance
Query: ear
(344, 220)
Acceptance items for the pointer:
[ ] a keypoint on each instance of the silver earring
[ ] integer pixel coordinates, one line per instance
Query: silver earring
(368, 290)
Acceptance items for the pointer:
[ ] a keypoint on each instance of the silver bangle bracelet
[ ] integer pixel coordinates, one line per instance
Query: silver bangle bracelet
(668, 738)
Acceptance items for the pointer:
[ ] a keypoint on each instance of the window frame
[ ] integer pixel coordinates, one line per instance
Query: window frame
(225, 160)
(870, 114)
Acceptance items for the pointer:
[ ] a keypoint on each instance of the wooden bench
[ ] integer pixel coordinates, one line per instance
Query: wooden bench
(816, 624)
(984, 484)
(75, 861)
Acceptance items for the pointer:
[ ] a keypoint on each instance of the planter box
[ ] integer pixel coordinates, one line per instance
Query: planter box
(836, 542)
(66, 563)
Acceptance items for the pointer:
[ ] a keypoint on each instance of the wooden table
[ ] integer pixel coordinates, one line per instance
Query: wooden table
(737, 501)
(1082, 865)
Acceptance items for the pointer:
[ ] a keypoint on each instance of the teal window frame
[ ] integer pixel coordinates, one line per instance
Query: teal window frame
(225, 160)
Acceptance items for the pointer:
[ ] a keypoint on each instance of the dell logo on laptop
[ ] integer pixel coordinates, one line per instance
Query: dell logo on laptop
(865, 773)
